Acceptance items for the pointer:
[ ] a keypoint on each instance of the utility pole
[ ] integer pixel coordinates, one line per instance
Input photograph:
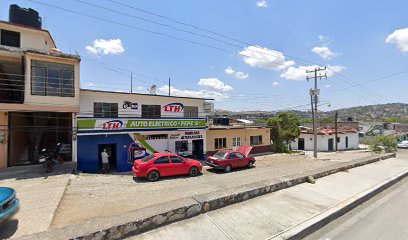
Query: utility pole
(315, 93)
(131, 83)
(336, 116)
(169, 87)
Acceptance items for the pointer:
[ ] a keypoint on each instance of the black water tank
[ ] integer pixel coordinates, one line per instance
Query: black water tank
(221, 121)
(24, 16)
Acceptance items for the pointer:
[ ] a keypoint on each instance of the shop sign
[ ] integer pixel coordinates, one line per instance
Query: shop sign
(192, 135)
(115, 124)
(173, 107)
(132, 105)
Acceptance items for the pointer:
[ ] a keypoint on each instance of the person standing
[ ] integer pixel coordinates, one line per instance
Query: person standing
(105, 161)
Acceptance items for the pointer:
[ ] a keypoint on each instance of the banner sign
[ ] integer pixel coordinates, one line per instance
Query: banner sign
(142, 124)
(173, 107)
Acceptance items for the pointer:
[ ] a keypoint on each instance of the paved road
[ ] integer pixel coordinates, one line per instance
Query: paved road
(383, 217)
(273, 214)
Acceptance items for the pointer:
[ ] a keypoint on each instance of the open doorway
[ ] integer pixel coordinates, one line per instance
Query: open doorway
(111, 150)
(301, 144)
(198, 146)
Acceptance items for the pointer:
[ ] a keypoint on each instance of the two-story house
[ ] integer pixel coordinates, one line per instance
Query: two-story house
(130, 126)
(39, 90)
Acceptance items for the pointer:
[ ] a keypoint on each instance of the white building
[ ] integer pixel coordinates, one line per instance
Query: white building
(130, 126)
(347, 139)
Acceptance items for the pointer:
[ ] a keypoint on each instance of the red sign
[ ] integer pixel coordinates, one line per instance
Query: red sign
(173, 107)
(114, 124)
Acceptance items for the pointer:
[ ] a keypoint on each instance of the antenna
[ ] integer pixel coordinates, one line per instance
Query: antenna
(153, 89)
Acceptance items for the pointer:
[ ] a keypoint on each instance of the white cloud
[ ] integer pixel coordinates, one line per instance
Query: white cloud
(299, 73)
(239, 75)
(193, 93)
(106, 47)
(324, 52)
(400, 38)
(323, 39)
(88, 84)
(327, 86)
(215, 84)
(262, 3)
(276, 84)
(260, 57)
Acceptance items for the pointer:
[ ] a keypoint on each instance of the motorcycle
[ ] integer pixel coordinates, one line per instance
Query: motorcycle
(127, 104)
(49, 158)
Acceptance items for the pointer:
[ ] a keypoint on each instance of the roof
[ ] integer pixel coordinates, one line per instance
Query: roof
(330, 131)
(245, 121)
(29, 27)
(33, 51)
(142, 94)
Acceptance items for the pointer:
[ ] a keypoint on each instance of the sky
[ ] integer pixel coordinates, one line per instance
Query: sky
(245, 54)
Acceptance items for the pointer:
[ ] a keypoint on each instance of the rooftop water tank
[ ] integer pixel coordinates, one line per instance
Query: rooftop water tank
(28, 17)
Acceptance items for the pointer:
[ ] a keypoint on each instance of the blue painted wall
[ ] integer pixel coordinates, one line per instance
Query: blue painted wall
(88, 155)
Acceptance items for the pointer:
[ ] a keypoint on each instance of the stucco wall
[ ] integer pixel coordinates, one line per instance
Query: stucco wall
(243, 133)
(3, 146)
(322, 142)
(89, 97)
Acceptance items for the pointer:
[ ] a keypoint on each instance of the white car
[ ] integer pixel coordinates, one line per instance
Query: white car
(403, 144)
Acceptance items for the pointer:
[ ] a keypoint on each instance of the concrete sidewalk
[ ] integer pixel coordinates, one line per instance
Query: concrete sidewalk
(277, 215)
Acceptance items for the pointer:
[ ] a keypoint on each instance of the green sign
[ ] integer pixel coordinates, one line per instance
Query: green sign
(123, 124)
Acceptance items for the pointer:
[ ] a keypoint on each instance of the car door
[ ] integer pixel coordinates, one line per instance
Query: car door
(242, 160)
(233, 160)
(180, 166)
(164, 166)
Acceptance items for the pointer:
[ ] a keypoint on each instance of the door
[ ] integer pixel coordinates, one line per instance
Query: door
(233, 160)
(164, 166)
(243, 161)
(301, 144)
(198, 146)
(179, 166)
(331, 144)
(346, 142)
(111, 150)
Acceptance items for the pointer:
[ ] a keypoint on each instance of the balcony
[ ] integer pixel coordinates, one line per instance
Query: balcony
(11, 80)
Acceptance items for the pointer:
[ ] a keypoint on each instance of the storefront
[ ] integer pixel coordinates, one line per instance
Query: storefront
(126, 140)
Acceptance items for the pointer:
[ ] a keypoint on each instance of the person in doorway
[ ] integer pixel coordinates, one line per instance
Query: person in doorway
(105, 161)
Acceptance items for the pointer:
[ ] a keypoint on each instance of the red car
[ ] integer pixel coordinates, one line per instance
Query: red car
(159, 165)
(228, 159)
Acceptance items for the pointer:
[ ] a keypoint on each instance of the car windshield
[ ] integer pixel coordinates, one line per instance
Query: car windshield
(148, 158)
(220, 155)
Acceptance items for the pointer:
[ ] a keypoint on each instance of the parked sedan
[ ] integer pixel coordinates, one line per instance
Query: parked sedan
(166, 164)
(228, 159)
(403, 144)
(9, 204)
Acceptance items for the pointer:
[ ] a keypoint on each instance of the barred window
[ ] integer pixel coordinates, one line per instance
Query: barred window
(190, 112)
(220, 143)
(256, 140)
(105, 110)
(151, 111)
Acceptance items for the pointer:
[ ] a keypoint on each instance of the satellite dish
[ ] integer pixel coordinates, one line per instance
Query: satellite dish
(153, 89)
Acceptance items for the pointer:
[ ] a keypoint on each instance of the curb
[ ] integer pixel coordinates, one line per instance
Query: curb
(320, 220)
(142, 220)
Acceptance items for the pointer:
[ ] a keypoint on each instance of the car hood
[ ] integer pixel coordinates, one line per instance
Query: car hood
(6, 193)
(244, 150)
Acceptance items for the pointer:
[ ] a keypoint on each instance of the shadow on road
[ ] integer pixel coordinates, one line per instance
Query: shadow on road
(8, 229)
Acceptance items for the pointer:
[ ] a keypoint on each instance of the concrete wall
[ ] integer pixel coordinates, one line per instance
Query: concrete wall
(322, 142)
(89, 97)
(31, 38)
(243, 133)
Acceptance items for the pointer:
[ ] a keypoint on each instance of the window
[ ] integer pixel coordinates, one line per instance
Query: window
(220, 143)
(256, 140)
(162, 160)
(190, 112)
(236, 141)
(175, 159)
(155, 136)
(338, 139)
(52, 79)
(105, 110)
(220, 155)
(239, 155)
(181, 146)
(347, 142)
(151, 111)
(10, 38)
(232, 156)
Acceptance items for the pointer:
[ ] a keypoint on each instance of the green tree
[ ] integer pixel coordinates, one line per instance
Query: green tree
(386, 143)
(285, 129)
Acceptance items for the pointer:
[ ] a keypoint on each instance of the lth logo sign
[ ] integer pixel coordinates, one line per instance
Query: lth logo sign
(173, 107)
(114, 124)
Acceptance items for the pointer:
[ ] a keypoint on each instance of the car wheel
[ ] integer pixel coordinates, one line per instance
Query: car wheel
(193, 171)
(153, 176)
(227, 168)
(251, 164)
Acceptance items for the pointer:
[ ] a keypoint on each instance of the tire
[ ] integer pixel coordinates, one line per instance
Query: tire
(227, 168)
(153, 176)
(250, 164)
(193, 172)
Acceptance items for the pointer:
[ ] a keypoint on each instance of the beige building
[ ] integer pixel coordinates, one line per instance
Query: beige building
(232, 136)
(39, 93)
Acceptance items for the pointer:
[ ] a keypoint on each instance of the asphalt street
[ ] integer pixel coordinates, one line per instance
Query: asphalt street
(383, 217)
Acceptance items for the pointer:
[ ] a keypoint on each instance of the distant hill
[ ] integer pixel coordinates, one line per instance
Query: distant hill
(369, 113)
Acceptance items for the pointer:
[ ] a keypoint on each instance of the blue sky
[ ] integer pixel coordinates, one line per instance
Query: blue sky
(363, 43)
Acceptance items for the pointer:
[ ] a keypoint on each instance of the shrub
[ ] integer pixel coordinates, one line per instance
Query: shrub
(387, 143)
